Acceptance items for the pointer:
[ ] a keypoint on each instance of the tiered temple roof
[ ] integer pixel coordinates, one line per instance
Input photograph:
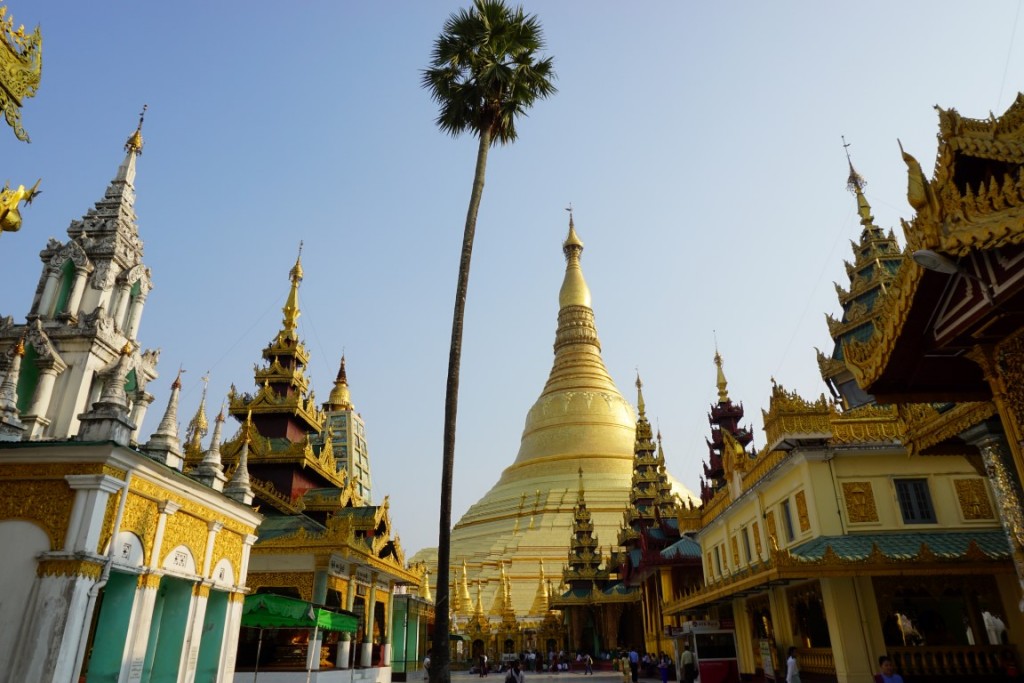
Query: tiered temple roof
(724, 417)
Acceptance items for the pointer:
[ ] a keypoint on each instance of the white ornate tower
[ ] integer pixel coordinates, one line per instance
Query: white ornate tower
(85, 315)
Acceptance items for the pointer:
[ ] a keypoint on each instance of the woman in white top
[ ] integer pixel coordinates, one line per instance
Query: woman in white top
(792, 668)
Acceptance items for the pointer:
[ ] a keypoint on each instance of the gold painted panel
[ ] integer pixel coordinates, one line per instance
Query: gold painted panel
(56, 470)
(801, 511)
(757, 538)
(151, 581)
(735, 552)
(973, 497)
(109, 515)
(191, 532)
(140, 518)
(860, 502)
(302, 581)
(47, 503)
(188, 505)
(73, 567)
(228, 545)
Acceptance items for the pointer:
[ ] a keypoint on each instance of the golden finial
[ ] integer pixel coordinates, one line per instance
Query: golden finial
(639, 395)
(19, 348)
(134, 143)
(291, 305)
(176, 384)
(246, 425)
(855, 183)
(572, 244)
(723, 393)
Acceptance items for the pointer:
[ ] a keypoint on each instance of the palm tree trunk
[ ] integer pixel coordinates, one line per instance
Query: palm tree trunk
(440, 660)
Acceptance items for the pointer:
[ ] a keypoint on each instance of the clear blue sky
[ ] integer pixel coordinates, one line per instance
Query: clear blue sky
(698, 142)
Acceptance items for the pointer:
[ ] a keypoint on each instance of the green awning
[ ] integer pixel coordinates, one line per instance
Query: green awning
(277, 611)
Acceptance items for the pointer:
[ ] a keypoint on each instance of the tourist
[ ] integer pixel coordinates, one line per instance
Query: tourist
(689, 665)
(634, 664)
(792, 668)
(663, 667)
(588, 664)
(426, 666)
(624, 666)
(515, 674)
(887, 672)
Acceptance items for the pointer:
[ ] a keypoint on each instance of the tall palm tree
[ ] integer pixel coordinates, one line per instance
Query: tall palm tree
(485, 72)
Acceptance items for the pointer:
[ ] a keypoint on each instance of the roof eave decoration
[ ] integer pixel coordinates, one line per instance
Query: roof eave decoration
(949, 219)
(791, 418)
(21, 67)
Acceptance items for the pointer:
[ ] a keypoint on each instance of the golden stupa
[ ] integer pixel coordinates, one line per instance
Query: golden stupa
(521, 529)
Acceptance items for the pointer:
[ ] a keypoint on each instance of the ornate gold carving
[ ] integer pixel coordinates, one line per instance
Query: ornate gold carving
(757, 538)
(926, 426)
(150, 581)
(201, 590)
(973, 497)
(236, 596)
(140, 518)
(88, 569)
(302, 581)
(860, 502)
(47, 503)
(801, 511)
(868, 424)
(735, 552)
(189, 505)
(191, 532)
(228, 545)
(21, 66)
(791, 416)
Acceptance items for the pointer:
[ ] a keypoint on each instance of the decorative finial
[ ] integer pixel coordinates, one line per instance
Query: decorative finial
(723, 393)
(639, 395)
(855, 183)
(291, 305)
(176, 384)
(135, 142)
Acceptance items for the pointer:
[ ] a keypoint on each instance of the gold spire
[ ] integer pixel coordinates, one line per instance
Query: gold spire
(291, 306)
(855, 183)
(574, 290)
(198, 426)
(639, 395)
(135, 142)
(723, 392)
(340, 398)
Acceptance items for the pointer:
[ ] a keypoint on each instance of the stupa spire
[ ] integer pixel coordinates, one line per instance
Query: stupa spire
(340, 398)
(240, 488)
(574, 290)
(855, 183)
(198, 426)
(723, 385)
(291, 305)
(164, 444)
(211, 469)
(132, 149)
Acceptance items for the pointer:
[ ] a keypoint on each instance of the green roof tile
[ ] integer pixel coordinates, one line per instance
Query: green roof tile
(905, 545)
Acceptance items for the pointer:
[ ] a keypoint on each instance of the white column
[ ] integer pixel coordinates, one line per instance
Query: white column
(366, 656)
(140, 404)
(36, 420)
(232, 628)
(193, 633)
(48, 642)
(385, 646)
(49, 291)
(92, 491)
(75, 300)
(124, 295)
(135, 315)
(138, 628)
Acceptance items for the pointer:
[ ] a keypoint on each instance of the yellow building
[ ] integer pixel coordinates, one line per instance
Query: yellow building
(836, 540)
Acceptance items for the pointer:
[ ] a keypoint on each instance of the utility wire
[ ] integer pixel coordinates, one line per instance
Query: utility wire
(1009, 53)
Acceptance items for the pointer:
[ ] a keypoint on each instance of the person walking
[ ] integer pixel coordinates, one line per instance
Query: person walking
(689, 665)
(792, 667)
(624, 666)
(588, 664)
(663, 667)
(634, 664)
